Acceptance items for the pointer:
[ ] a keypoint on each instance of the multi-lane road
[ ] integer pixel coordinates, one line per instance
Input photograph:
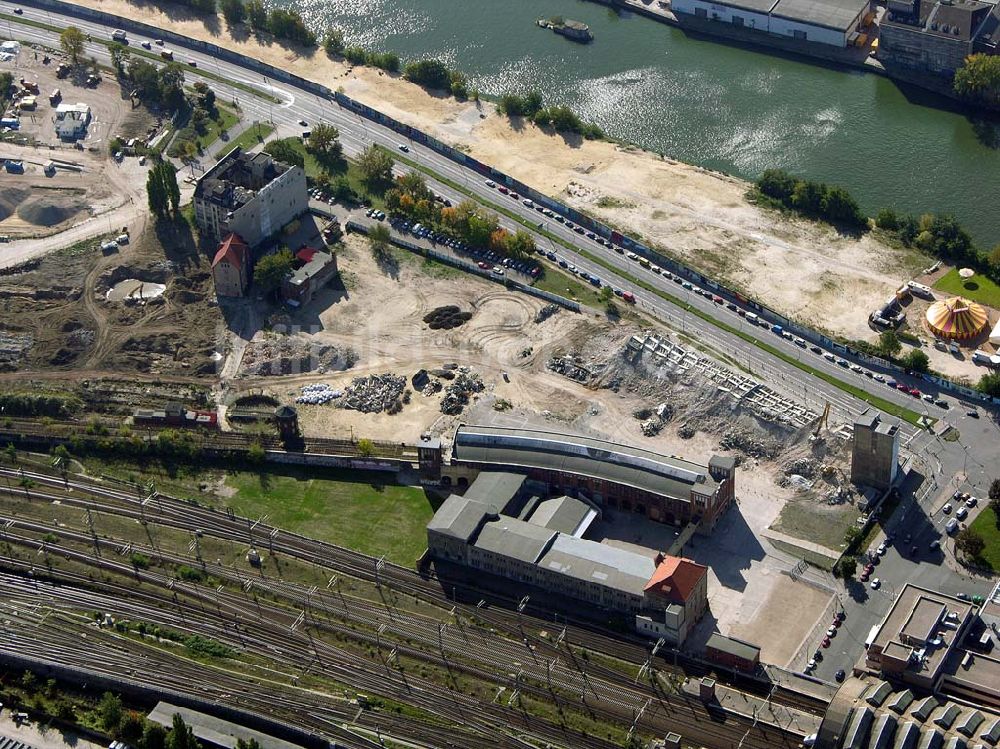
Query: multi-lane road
(358, 132)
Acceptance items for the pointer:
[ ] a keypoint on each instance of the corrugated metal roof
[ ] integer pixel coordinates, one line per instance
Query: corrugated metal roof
(831, 14)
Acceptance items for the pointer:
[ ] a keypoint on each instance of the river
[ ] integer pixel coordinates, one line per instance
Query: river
(701, 101)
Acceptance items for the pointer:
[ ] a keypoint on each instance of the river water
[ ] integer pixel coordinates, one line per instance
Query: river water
(701, 101)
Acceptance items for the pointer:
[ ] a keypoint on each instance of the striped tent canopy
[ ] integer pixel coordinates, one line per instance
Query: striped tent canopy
(957, 318)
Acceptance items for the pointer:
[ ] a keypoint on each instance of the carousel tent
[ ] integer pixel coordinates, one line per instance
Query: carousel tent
(957, 318)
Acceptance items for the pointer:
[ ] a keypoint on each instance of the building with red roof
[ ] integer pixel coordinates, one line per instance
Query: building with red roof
(679, 589)
(231, 267)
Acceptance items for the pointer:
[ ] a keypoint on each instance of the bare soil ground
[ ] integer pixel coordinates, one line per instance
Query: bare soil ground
(89, 194)
(798, 267)
(60, 302)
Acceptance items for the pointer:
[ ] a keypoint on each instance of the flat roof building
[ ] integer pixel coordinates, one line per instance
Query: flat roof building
(874, 452)
(664, 488)
(665, 596)
(936, 37)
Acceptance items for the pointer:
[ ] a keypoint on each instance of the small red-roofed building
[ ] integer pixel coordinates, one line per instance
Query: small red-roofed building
(678, 594)
(231, 267)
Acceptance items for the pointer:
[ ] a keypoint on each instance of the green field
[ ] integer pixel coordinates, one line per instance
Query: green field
(978, 288)
(362, 511)
(986, 526)
(255, 134)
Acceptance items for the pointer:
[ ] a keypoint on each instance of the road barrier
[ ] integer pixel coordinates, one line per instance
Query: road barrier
(488, 172)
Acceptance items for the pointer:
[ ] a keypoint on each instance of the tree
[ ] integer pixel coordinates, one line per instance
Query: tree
(286, 151)
(256, 15)
(366, 447)
(807, 197)
(979, 78)
(324, 141)
(255, 453)
(970, 543)
(154, 736)
(234, 12)
(888, 343)
(886, 219)
(916, 360)
(71, 40)
(994, 489)
(989, 384)
(272, 269)
(375, 165)
(428, 73)
(180, 735)
(520, 244)
(333, 42)
(378, 240)
(168, 175)
(156, 194)
(171, 80)
(777, 184)
(120, 57)
(11, 452)
(109, 711)
(840, 208)
(851, 535)
(847, 567)
(130, 727)
(6, 90)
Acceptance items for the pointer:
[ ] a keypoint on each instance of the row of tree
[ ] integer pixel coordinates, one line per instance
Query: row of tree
(560, 118)
(435, 75)
(814, 200)
(334, 46)
(279, 22)
(162, 190)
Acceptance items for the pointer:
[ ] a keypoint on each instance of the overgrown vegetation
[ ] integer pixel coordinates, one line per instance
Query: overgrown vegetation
(59, 405)
(978, 80)
(815, 200)
(435, 75)
(559, 118)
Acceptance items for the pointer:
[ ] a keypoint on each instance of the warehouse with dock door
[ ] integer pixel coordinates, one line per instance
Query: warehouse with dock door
(836, 23)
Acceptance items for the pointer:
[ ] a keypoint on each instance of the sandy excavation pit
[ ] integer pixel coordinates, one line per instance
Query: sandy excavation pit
(134, 290)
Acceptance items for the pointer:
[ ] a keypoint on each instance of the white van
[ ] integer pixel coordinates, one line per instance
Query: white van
(751, 317)
(118, 35)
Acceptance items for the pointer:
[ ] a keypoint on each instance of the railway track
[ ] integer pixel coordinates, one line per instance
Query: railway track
(167, 511)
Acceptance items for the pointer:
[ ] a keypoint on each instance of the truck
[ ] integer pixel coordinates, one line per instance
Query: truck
(119, 36)
(12, 122)
(29, 86)
(629, 297)
(776, 329)
(167, 54)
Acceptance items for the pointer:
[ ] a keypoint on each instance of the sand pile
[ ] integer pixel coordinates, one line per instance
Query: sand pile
(10, 198)
(49, 210)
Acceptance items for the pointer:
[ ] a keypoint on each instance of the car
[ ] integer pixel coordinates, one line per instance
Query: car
(559, 218)
(947, 508)
(514, 195)
(563, 264)
(503, 190)
(18, 11)
(550, 255)
(964, 597)
(831, 632)
(840, 675)
(826, 642)
(482, 264)
(881, 549)
(971, 502)
(303, 123)
(403, 147)
(973, 413)
(869, 374)
(717, 299)
(914, 392)
(829, 357)
(836, 622)
(145, 45)
(902, 387)
(732, 307)
(870, 567)
(878, 378)
(528, 203)
(498, 270)
(928, 397)
(856, 368)
(941, 403)
(192, 63)
(961, 513)
(490, 183)
(816, 350)
(158, 42)
(578, 229)
(875, 583)
(811, 665)
(842, 363)
(951, 527)
(863, 577)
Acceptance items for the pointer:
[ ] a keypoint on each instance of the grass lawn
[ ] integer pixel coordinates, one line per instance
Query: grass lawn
(978, 288)
(374, 515)
(253, 136)
(986, 526)
(821, 524)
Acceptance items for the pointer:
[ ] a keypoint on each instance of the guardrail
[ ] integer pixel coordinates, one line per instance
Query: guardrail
(486, 171)
(470, 268)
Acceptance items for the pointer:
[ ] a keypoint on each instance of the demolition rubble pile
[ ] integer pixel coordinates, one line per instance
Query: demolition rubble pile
(281, 355)
(546, 312)
(375, 393)
(570, 366)
(446, 318)
(13, 346)
(652, 420)
(456, 395)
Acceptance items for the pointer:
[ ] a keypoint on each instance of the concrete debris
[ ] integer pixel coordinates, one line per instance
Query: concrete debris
(375, 393)
(568, 366)
(686, 432)
(546, 312)
(806, 467)
(13, 346)
(275, 354)
(432, 387)
(751, 445)
(318, 394)
(456, 395)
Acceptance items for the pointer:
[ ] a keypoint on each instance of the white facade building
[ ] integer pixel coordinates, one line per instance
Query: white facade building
(72, 120)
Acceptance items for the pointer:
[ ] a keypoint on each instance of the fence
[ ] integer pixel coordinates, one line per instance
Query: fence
(470, 268)
(465, 160)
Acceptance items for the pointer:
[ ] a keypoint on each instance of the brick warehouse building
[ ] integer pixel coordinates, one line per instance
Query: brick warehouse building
(665, 489)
